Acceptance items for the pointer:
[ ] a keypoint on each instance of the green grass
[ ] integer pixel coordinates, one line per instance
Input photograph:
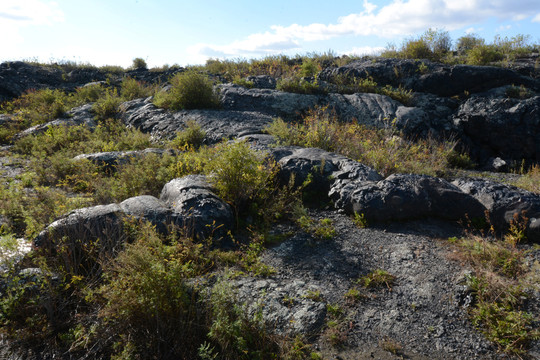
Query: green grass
(500, 282)
(377, 278)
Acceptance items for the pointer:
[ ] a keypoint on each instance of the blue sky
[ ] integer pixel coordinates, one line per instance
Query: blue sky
(113, 32)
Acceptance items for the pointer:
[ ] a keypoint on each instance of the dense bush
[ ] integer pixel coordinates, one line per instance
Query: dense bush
(189, 90)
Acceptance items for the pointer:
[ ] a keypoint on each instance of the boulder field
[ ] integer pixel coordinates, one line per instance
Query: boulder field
(426, 310)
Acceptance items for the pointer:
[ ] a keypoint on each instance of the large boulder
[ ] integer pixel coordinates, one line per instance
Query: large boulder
(505, 204)
(406, 197)
(84, 236)
(187, 203)
(498, 126)
(197, 209)
(324, 170)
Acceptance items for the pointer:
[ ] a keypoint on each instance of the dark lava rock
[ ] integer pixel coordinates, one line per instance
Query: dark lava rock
(504, 203)
(84, 226)
(438, 79)
(405, 197)
(262, 81)
(200, 212)
(498, 126)
(219, 125)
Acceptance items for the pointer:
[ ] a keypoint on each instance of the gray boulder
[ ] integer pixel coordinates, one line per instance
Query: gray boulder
(96, 229)
(504, 203)
(81, 115)
(498, 126)
(325, 170)
(197, 209)
(151, 209)
(406, 197)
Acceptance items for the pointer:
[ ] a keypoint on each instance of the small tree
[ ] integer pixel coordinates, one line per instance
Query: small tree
(139, 63)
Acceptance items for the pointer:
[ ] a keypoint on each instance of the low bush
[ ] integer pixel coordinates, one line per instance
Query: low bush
(139, 63)
(189, 90)
(484, 55)
(352, 85)
(192, 136)
(299, 85)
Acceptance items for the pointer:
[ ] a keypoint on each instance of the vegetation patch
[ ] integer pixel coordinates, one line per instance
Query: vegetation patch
(189, 90)
(383, 149)
(500, 284)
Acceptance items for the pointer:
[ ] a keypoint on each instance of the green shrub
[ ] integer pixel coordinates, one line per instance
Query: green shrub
(243, 82)
(377, 278)
(190, 90)
(38, 106)
(192, 136)
(519, 92)
(468, 42)
(483, 55)
(131, 89)
(148, 300)
(299, 86)
(107, 106)
(241, 175)
(139, 63)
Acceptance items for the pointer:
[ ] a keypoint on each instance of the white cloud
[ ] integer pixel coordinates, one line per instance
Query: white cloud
(16, 14)
(365, 50)
(536, 18)
(30, 12)
(398, 18)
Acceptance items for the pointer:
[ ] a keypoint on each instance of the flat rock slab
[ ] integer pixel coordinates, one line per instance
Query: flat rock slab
(425, 311)
(218, 124)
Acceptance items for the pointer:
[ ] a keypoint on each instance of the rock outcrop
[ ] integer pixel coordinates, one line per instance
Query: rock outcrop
(188, 204)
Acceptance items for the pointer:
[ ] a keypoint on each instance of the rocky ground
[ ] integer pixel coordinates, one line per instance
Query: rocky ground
(424, 313)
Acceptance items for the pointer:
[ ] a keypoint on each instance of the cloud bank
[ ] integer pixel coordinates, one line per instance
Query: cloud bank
(16, 14)
(398, 18)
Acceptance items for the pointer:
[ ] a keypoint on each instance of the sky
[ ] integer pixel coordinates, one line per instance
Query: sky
(114, 32)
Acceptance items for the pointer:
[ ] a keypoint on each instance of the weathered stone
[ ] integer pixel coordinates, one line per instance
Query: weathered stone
(83, 227)
(271, 102)
(219, 125)
(498, 126)
(262, 81)
(198, 210)
(504, 203)
(78, 116)
(405, 197)
(457, 79)
(150, 209)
